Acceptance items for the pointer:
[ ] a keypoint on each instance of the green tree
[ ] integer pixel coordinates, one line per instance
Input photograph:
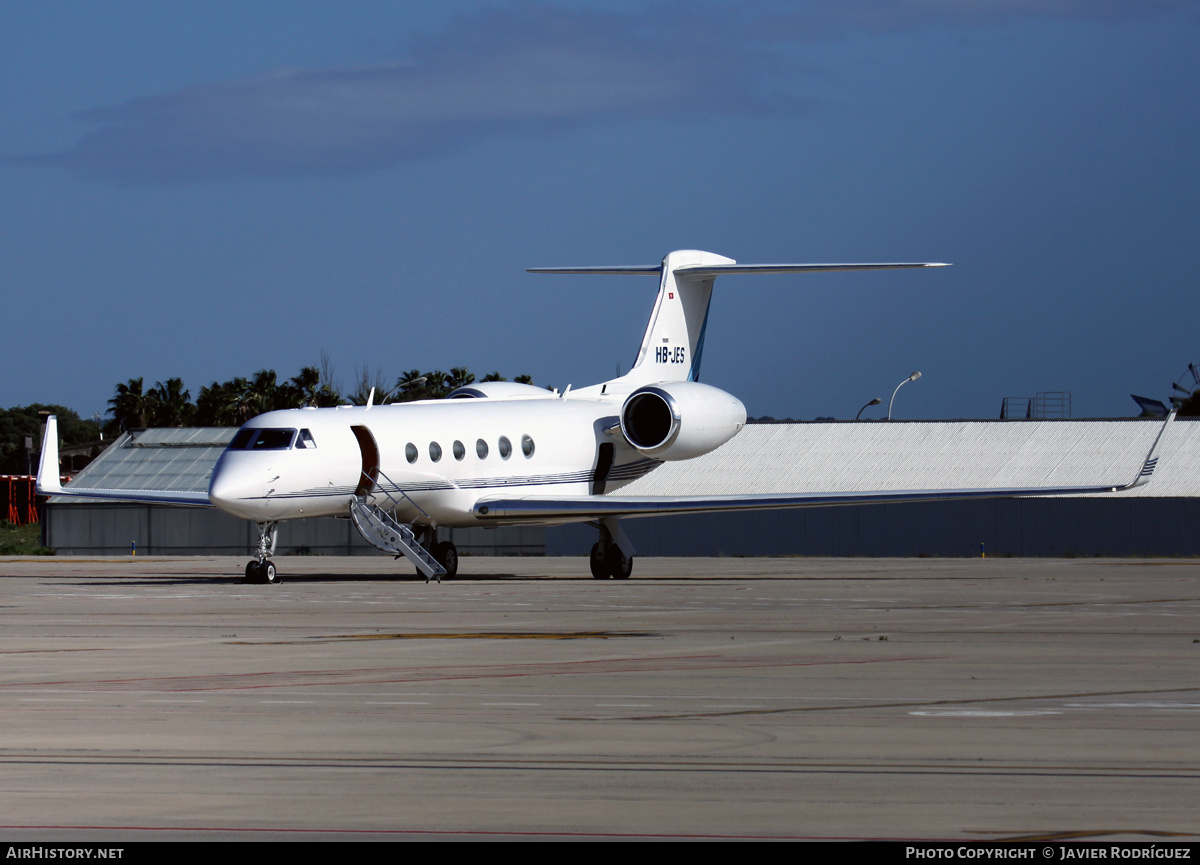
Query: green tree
(365, 384)
(170, 405)
(17, 423)
(130, 407)
(216, 404)
(313, 390)
(460, 376)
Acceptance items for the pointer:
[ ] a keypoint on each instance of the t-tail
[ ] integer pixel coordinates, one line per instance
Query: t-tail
(673, 344)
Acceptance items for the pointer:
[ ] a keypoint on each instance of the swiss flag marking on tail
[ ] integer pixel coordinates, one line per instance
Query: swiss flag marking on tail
(670, 295)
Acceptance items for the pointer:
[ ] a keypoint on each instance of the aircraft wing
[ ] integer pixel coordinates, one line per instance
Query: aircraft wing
(161, 497)
(48, 483)
(565, 508)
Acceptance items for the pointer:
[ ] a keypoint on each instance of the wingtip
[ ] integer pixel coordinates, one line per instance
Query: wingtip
(48, 484)
(1151, 462)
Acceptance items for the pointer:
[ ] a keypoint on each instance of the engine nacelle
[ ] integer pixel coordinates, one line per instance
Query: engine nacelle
(678, 420)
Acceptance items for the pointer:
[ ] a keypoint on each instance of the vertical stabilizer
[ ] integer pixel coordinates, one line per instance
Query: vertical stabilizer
(674, 341)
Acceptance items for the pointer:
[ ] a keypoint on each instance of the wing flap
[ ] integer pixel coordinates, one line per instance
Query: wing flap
(549, 508)
(160, 497)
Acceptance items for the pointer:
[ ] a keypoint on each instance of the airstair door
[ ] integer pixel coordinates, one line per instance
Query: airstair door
(370, 461)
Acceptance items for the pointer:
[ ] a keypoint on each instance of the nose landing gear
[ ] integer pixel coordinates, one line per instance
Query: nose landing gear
(261, 572)
(262, 569)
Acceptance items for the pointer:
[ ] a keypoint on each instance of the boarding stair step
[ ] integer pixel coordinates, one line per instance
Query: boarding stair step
(382, 531)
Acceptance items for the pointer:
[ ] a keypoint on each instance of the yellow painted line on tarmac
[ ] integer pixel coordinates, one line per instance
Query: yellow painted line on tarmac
(497, 635)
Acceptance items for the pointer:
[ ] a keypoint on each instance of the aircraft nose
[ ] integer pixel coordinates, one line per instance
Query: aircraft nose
(236, 490)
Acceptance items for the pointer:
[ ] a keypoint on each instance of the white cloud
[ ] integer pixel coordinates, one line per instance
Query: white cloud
(518, 70)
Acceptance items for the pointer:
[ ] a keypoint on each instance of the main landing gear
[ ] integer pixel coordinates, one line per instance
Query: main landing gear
(443, 552)
(262, 569)
(447, 556)
(608, 560)
(610, 563)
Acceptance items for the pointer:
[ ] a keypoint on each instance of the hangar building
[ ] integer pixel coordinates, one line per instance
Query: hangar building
(1157, 519)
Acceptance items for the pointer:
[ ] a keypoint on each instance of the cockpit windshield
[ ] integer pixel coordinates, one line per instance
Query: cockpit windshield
(272, 440)
(263, 439)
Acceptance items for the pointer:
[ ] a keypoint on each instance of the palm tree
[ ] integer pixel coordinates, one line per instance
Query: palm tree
(170, 404)
(437, 384)
(460, 376)
(130, 407)
(365, 385)
(410, 386)
(312, 390)
(215, 404)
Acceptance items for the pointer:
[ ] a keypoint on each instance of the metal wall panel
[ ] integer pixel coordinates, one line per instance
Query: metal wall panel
(108, 528)
(1007, 527)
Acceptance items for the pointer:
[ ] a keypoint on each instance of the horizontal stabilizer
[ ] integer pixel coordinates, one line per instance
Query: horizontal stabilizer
(632, 270)
(722, 269)
(673, 344)
(699, 271)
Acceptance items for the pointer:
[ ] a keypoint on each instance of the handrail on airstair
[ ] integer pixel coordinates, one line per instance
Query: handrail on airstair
(395, 504)
(404, 543)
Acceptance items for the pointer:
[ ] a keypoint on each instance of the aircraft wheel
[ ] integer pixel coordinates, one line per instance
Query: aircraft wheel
(269, 574)
(596, 560)
(447, 556)
(619, 567)
(251, 572)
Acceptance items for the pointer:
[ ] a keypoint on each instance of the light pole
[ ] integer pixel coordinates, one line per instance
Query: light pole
(875, 401)
(913, 377)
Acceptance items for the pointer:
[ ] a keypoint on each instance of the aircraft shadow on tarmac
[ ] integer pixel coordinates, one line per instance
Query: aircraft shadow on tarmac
(201, 579)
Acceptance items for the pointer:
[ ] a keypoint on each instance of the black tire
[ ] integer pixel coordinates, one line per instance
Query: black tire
(619, 567)
(269, 574)
(447, 556)
(596, 560)
(251, 572)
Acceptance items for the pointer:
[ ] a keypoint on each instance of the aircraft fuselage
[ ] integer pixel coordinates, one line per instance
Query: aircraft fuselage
(434, 459)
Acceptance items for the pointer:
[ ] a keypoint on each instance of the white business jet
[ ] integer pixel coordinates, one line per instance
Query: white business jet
(500, 453)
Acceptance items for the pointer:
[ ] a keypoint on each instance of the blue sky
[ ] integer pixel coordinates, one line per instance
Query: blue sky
(206, 189)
